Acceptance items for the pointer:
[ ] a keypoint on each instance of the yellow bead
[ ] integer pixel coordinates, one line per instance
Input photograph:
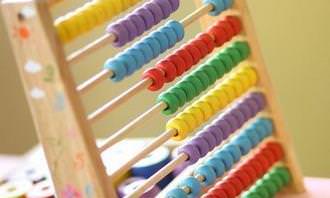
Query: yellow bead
(205, 107)
(81, 22)
(189, 119)
(100, 11)
(230, 92)
(197, 113)
(180, 126)
(62, 34)
(221, 96)
(213, 101)
(62, 26)
(252, 74)
(106, 8)
(243, 76)
(236, 84)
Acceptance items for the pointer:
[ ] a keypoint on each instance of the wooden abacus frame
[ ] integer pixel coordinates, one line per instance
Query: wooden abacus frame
(63, 129)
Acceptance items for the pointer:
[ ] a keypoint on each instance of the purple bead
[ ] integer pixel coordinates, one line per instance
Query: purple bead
(166, 7)
(253, 105)
(156, 11)
(260, 99)
(225, 127)
(244, 108)
(139, 23)
(208, 136)
(216, 132)
(234, 124)
(121, 33)
(147, 17)
(201, 144)
(131, 27)
(240, 118)
(175, 4)
(192, 152)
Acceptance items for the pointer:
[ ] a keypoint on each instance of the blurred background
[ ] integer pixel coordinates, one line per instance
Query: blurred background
(294, 38)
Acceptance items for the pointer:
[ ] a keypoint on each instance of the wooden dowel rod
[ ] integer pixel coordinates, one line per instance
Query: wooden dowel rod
(163, 172)
(110, 106)
(160, 140)
(119, 135)
(90, 48)
(100, 42)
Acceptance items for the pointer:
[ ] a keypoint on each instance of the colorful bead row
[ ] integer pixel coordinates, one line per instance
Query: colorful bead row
(180, 61)
(89, 16)
(222, 127)
(204, 76)
(247, 173)
(141, 20)
(145, 50)
(223, 160)
(270, 184)
(215, 100)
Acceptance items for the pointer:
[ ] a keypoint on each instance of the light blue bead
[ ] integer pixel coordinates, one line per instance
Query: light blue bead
(146, 50)
(176, 193)
(129, 62)
(155, 46)
(252, 136)
(260, 129)
(234, 151)
(217, 165)
(218, 6)
(170, 35)
(268, 123)
(138, 56)
(162, 40)
(207, 172)
(228, 3)
(225, 157)
(193, 184)
(118, 69)
(178, 28)
(243, 143)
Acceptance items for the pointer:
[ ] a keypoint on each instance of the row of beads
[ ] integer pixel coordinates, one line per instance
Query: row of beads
(222, 160)
(270, 184)
(181, 60)
(204, 76)
(141, 20)
(215, 100)
(89, 16)
(222, 127)
(142, 52)
(247, 173)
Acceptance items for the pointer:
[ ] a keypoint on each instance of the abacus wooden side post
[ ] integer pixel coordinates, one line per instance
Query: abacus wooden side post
(241, 8)
(58, 114)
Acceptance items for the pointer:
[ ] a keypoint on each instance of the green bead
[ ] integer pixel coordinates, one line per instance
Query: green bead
(189, 89)
(284, 174)
(243, 47)
(249, 194)
(202, 76)
(263, 192)
(211, 73)
(234, 54)
(196, 82)
(218, 65)
(270, 186)
(180, 94)
(227, 61)
(276, 179)
(172, 103)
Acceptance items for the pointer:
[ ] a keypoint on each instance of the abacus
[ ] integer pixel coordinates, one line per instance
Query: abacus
(246, 128)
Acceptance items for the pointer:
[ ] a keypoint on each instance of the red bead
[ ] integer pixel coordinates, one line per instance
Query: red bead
(257, 167)
(179, 63)
(236, 183)
(157, 77)
(228, 188)
(218, 193)
(228, 29)
(201, 47)
(194, 52)
(270, 156)
(207, 39)
(235, 23)
(169, 69)
(188, 59)
(251, 172)
(219, 35)
(264, 162)
(243, 176)
(276, 149)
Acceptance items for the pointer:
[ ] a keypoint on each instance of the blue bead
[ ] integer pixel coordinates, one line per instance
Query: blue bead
(228, 3)
(234, 151)
(268, 123)
(217, 165)
(193, 184)
(243, 143)
(176, 193)
(155, 46)
(118, 69)
(129, 62)
(218, 6)
(260, 128)
(170, 35)
(138, 56)
(207, 172)
(225, 157)
(162, 40)
(252, 136)
(146, 50)
(178, 28)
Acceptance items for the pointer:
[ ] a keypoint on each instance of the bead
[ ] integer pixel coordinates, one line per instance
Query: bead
(243, 176)
(176, 193)
(186, 56)
(235, 23)
(180, 94)
(201, 46)
(252, 136)
(138, 22)
(172, 103)
(234, 54)
(244, 108)
(190, 120)
(225, 127)
(228, 188)
(234, 151)
(216, 132)
(154, 45)
(236, 183)
(218, 66)
(197, 113)
(179, 64)
(194, 52)
(170, 34)
(211, 73)
(175, 4)
(178, 28)
(191, 151)
(218, 6)
(165, 6)
(239, 116)
(194, 186)
(202, 76)
(189, 89)
(227, 61)
(201, 144)
(205, 107)
(147, 17)
(131, 28)
(207, 172)
(180, 126)
(162, 40)
(210, 139)
(120, 32)
(138, 56)
(234, 125)
(196, 82)
(118, 69)
(157, 77)
(217, 165)
(213, 101)
(146, 50)
(169, 69)
(155, 10)
(243, 143)
(128, 61)
(208, 41)
(226, 158)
